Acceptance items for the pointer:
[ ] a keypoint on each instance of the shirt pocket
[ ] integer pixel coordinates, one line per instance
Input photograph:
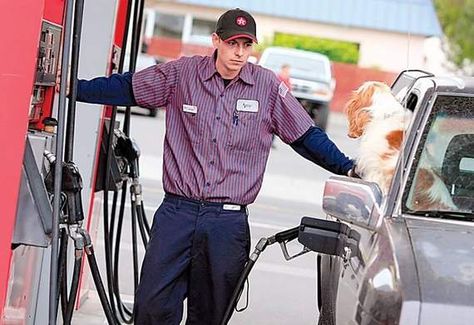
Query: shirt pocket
(193, 126)
(243, 131)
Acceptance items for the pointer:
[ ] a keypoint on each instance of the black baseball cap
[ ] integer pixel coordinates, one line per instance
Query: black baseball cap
(236, 23)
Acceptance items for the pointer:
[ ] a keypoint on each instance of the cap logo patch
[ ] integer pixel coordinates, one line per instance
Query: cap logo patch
(241, 21)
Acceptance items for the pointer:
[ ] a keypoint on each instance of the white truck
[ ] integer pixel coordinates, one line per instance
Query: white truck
(312, 82)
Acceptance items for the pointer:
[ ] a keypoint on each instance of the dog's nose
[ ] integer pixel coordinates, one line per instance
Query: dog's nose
(351, 135)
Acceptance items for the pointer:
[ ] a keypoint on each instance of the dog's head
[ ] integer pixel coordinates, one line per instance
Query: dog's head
(358, 107)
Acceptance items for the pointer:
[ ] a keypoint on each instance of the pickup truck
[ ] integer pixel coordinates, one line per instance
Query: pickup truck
(310, 75)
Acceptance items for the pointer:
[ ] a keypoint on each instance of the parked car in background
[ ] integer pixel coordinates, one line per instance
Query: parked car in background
(384, 260)
(312, 82)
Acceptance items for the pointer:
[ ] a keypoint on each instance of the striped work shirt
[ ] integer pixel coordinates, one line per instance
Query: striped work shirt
(218, 138)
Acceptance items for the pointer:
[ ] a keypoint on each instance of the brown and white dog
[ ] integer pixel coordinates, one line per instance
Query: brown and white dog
(380, 121)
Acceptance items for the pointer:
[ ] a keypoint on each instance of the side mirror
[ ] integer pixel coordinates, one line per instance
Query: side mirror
(353, 200)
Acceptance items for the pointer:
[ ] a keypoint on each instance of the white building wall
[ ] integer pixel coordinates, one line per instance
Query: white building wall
(387, 51)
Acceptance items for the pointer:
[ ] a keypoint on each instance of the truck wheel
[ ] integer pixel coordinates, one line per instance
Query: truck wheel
(153, 112)
(320, 113)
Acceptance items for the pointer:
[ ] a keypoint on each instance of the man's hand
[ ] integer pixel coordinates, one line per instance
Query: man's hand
(353, 172)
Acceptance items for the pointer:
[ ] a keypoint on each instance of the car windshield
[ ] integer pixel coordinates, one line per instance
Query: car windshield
(300, 67)
(441, 183)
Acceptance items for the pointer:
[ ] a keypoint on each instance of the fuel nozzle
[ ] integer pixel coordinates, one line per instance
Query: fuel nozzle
(128, 149)
(50, 157)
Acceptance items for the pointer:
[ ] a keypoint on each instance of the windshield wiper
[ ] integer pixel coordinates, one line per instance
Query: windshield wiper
(444, 214)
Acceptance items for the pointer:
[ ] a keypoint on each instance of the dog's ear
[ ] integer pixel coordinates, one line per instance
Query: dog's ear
(359, 117)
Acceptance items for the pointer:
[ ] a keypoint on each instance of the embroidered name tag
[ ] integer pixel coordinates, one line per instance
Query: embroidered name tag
(190, 109)
(247, 105)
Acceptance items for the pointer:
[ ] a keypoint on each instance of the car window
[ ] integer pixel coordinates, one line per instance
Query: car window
(301, 67)
(442, 178)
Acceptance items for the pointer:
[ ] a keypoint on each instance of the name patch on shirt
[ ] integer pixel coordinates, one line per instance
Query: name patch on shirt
(190, 109)
(247, 105)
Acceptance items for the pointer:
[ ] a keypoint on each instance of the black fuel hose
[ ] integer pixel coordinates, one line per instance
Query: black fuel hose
(63, 271)
(134, 248)
(110, 232)
(280, 237)
(74, 285)
(237, 292)
(141, 223)
(145, 220)
(111, 319)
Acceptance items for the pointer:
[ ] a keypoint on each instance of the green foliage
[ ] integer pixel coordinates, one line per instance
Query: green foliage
(457, 20)
(338, 51)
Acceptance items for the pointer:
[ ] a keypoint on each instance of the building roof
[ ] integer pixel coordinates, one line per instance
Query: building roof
(417, 17)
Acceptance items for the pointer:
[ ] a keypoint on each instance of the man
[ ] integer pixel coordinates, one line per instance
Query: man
(284, 75)
(221, 113)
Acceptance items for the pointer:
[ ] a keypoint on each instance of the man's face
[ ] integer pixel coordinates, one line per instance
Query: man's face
(232, 55)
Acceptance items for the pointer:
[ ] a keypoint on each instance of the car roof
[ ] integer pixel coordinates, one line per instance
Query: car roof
(454, 84)
(295, 52)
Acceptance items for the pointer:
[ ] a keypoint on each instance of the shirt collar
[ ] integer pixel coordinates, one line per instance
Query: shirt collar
(209, 70)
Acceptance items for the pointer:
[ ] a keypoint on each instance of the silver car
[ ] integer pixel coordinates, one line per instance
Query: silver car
(384, 261)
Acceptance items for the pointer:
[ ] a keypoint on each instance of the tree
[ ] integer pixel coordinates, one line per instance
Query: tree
(457, 20)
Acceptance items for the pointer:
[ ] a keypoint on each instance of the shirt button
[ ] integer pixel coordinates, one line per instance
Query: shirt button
(208, 184)
(218, 118)
(212, 162)
(214, 140)
(222, 95)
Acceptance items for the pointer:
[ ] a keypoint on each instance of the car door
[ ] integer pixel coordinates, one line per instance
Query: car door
(351, 274)
(353, 208)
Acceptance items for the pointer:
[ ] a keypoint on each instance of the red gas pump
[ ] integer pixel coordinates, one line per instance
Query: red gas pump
(28, 72)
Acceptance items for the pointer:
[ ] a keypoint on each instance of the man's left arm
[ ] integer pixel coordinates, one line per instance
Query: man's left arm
(316, 146)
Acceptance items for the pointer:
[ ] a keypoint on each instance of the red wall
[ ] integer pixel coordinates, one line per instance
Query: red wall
(348, 76)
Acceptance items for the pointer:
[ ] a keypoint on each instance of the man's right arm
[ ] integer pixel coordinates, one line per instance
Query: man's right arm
(114, 90)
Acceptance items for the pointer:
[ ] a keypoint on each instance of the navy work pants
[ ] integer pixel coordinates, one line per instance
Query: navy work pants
(196, 251)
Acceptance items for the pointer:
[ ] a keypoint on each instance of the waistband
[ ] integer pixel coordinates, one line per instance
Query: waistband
(224, 206)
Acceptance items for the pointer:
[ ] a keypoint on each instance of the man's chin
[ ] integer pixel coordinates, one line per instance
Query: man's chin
(236, 65)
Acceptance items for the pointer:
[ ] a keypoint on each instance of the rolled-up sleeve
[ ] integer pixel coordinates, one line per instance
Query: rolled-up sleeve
(153, 86)
(289, 119)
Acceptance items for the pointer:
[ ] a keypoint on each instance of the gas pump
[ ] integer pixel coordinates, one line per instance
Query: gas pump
(44, 190)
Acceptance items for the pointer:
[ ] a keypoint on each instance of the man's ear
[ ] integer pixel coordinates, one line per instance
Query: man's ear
(215, 39)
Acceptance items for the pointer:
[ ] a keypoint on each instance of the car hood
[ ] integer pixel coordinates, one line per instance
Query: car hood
(444, 257)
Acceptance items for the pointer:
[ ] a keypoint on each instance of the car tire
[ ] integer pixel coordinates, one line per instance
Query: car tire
(319, 114)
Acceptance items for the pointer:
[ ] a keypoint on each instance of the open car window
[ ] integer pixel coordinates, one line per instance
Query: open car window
(442, 177)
